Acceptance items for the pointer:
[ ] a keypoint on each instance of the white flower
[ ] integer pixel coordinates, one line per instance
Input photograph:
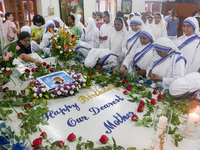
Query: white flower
(73, 86)
(79, 86)
(59, 93)
(50, 41)
(35, 89)
(43, 90)
(68, 87)
(55, 38)
(62, 89)
(66, 91)
(7, 68)
(56, 89)
(71, 92)
(59, 47)
(84, 80)
(35, 94)
(84, 84)
(61, 52)
(76, 82)
(74, 75)
(2, 69)
(52, 95)
(40, 94)
(70, 50)
(141, 81)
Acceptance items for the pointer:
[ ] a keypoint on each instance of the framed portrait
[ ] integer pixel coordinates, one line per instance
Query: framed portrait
(126, 6)
(71, 7)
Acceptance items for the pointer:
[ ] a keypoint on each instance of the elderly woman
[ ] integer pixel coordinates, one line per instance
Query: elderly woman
(106, 29)
(140, 58)
(188, 44)
(45, 45)
(170, 64)
(24, 43)
(59, 23)
(158, 26)
(132, 37)
(90, 34)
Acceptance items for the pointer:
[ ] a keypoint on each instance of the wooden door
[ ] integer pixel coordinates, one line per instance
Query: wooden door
(22, 10)
(183, 11)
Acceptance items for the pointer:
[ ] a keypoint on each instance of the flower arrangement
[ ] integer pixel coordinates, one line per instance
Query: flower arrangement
(62, 45)
(6, 65)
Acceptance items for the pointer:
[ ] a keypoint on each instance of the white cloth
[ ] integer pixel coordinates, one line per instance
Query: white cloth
(144, 62)
(78, 23)
(97, 54)
(127, 45)
(159, 29)
(60, 22)
(115, 41)
(106, 30)
(45, 45)
(189, 83)
(170, 69)
(90, 34)
(83, 48)
(34, 46)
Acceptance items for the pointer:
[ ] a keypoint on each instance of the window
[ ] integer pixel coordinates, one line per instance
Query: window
(22, 10)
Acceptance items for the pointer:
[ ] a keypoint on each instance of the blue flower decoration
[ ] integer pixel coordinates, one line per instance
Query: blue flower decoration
(3, 141)
(19, 146)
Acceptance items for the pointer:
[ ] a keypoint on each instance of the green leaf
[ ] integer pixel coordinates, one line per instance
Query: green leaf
(131, 148)
(80, 138)
(139, 123)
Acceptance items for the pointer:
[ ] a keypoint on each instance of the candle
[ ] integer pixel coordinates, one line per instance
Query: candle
(192, 123)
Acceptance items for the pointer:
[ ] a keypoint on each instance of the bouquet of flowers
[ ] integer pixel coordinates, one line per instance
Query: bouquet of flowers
(6, 65)
(62, 45)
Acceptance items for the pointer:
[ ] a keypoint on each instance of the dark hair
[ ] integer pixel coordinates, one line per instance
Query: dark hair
(7, 15)
(94, 13)
(23, 35)
(151, 17)
(119, 19)
(131, 15)
(106, 13)
(136, 14)
(143, 17)
(173, 13)
(158, 14)
(38, 19)
(120, 14)
(194, 13)
(72, 16)
(99, 14)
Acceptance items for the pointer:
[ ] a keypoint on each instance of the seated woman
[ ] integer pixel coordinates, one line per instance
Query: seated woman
(24, 42)
(141, 56)
(90, 34)
(78, 22)
(45, 45)
(37, 28)
(101, 58)
(132, 37)
(106, 29)
(169, 66)
(74, 29)
(34, 46)
(116, 38)
(59, 24)
(188, 44)
(187, 87)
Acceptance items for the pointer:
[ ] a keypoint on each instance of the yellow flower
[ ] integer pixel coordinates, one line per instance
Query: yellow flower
(87, 87)
(68, 54)
(35, 100)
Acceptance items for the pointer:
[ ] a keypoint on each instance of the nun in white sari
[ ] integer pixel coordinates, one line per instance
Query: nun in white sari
(188, 44)
(106, 29)
(158, 26)
(34, 46)
(45, 45)
(116, 38)
(169, 66)
(59, 23)
(90, 34)
(188, 85)
(78, 22)
(101, 58)
(141, 56)
(132, 37)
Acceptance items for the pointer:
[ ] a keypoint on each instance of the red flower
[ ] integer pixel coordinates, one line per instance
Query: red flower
(37, 69)
(100, 71)
(36, 143)
(14, 92)
(153, 101)
(129, 87)
(72, 66)
(47, 66)
(61, 144)
(51, 70)
(27, 106)
(44, 63)
(155, 91)
(134, 117)
(104, 139)
(142, 103)
(71, 137)
(89, 74)
(27, 70)
(113, 70)
(125, 92)
(43, 135)
(124, 81)
(140, 109)
(6, 72)
(159, 97)
(5, 89)
(32, 69)
(23, 91)
(19, 115)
